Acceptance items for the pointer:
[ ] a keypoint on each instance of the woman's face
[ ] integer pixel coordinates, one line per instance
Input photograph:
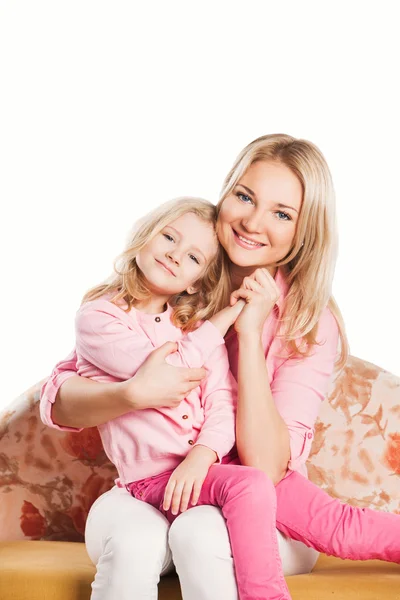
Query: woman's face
(257, 221)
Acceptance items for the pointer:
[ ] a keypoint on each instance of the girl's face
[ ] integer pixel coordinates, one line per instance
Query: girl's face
(177, 257)
(257, 221)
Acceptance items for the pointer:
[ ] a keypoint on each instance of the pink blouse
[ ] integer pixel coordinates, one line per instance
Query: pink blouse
(298, 386)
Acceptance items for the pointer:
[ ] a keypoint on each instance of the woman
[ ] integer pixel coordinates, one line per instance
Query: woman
(277, 225)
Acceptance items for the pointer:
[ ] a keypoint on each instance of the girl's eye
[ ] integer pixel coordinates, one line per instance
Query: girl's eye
(286, 217)
(244, 198)
(169, 237)
(192, 257)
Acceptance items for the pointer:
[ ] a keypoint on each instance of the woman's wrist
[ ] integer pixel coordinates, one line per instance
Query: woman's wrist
(249, 337)
(126, 393)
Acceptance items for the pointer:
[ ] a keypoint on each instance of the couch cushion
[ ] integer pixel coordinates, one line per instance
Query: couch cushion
(55, 571)
(336, 579)
(63, 571)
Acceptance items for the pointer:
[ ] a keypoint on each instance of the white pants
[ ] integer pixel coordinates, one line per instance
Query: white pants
(132, 544)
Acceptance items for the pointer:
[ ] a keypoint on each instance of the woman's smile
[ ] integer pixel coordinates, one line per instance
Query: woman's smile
(246, 242)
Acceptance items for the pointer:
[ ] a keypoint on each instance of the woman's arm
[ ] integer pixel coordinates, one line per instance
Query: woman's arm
(262, 436)
(274, 425)
(71, 402)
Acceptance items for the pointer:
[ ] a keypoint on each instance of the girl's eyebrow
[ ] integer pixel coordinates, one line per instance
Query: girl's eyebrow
(277, 204)
(194, 247)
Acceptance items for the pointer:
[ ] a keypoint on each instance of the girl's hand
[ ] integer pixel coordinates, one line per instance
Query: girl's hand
(226, 317)
(158, 384)
(187, 479)
(260, 293)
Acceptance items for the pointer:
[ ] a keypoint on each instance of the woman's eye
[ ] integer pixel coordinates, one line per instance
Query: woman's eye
(169, 237)
(244, 197)
(286, 217)
(192, 257)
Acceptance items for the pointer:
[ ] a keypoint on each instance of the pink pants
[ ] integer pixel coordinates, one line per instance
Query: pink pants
(253, 507)
(247, 499)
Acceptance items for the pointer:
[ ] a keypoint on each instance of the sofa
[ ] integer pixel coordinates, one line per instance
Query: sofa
(49, 480)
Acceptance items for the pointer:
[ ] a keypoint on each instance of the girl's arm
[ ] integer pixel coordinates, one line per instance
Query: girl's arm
(117, 346)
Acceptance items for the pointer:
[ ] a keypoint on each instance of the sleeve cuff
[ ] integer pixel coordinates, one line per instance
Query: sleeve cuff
(47, 398)
(297, 459)
(219, 444)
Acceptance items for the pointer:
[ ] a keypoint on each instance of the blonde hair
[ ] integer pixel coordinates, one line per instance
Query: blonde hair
(309, 266)
(129, 284)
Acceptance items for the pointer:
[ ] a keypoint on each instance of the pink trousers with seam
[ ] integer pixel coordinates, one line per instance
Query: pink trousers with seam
(253, 508)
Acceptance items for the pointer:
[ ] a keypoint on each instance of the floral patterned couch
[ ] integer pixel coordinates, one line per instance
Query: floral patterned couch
(49, 480)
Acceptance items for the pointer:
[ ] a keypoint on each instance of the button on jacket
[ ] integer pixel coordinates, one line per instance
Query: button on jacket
(112, 344)
(298, 385)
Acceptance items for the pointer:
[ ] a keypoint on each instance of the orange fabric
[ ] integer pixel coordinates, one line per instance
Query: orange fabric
(63, 571)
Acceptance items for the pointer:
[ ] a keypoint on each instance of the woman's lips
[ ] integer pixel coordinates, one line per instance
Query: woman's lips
(243, 244)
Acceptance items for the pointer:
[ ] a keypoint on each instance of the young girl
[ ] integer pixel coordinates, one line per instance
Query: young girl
(172, 276)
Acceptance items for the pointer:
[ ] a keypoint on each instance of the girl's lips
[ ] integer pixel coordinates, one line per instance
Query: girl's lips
(245, 244)
(165, 268)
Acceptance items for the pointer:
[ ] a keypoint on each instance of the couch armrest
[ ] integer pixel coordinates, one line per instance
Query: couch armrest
(48, 478)
(356, 451)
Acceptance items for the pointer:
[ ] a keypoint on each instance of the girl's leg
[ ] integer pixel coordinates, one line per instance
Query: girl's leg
(247, 499)
(248, 502)
(127, 540)
(202, 554)
(306, 513)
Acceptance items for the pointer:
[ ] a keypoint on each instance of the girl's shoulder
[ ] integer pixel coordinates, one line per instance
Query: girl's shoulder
(105, 305)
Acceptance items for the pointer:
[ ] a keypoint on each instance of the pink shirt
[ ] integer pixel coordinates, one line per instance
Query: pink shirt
(111, 345)
(298, 385)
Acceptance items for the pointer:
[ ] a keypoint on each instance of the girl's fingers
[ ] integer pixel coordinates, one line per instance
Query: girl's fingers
(242, 293)
(169, 490)
(187, 492)
(176, 497)
(198, 484)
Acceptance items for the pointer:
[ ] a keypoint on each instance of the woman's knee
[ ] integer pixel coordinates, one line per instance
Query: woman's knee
(123, 526)
(198, 532)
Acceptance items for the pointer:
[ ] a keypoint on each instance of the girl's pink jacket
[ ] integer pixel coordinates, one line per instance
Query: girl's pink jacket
(112, 344)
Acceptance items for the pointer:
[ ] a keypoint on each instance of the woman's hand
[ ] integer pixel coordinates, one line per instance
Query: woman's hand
(260, 293)
(158, 384)
(187, 479)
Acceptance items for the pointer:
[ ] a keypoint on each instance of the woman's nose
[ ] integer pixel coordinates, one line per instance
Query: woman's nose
(254, 223)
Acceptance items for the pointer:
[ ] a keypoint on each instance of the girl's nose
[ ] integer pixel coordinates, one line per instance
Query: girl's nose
(174, 256)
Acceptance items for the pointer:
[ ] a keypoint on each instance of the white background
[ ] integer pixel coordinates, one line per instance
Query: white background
(109, 108)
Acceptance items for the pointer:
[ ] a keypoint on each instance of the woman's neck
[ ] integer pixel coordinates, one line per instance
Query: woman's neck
(239, 273)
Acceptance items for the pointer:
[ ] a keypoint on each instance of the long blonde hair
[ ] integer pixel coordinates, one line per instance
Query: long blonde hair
(309, 266)
(129, 284)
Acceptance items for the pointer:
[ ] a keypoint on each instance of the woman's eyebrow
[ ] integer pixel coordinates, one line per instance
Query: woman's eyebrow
(277, 204)
(194, 247)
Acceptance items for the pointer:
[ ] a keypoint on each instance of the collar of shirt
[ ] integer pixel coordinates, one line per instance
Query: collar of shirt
(142, 317)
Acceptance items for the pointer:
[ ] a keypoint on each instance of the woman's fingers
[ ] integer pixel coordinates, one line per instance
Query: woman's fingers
(264, 278)
(252, 284)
